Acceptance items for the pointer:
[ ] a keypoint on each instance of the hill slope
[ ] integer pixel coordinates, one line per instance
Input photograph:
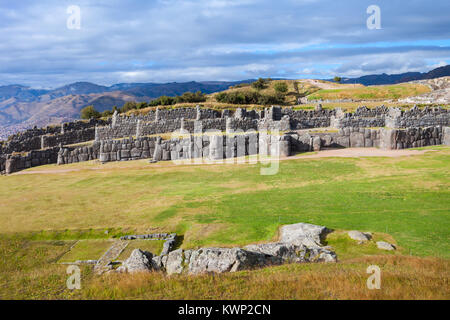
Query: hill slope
(378, 79)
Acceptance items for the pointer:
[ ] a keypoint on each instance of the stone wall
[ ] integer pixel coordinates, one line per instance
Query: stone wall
(78, 154)
(392, 139)
(66, 133)
(213, 147)
(17, 162)
(140, 128)
(424, 127)
(67, 138)
(416, 117)
(344, 138)
(2, 163)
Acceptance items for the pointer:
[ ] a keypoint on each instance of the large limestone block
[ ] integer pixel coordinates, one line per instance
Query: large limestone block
(446, 136)
(297, 233)
(219, 260)
(357, 140)
(139, 261)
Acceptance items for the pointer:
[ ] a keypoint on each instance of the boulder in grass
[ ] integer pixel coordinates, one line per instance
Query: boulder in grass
(385, 246)
(359, 236)
(139, 261)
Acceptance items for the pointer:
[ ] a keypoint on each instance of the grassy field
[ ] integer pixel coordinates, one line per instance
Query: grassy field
(406, 197)
(397, 91)
(87, 250)
(153, 246)
(403, 200)
(29, 271)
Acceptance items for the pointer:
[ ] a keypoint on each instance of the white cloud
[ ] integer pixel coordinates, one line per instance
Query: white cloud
(174, 40)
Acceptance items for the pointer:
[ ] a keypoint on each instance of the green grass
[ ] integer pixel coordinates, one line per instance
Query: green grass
(372, 92)
(153, 246)
(87, 250)
(407, 198)
(28, 270)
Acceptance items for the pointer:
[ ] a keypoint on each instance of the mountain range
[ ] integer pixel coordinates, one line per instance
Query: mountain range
(22, 107)
(379, 79)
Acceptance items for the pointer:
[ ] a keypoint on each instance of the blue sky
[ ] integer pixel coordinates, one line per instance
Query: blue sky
(174, 40)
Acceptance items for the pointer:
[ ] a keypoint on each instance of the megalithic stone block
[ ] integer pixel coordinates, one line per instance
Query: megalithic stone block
(446, 136)
(216, 147)
(157, 154)
(387, 139)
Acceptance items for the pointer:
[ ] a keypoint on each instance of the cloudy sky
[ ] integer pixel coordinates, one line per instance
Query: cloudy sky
(174, 40)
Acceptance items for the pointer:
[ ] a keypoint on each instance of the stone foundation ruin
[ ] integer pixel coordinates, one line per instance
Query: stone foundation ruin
(203, 133)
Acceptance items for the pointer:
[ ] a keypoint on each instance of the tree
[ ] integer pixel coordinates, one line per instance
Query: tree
(337, 79)
(142, 105)
(89, 112)
(259, 84)
(281, 87)
(129, 105)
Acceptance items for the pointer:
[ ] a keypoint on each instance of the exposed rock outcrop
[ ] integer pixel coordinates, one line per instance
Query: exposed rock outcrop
(298, 243)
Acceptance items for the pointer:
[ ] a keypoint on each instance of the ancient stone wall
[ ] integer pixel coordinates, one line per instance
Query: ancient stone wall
(67, 133)
(423, 127)
(392, 139)
(17, 162)
(78, 154)
(416, 117)
(67, 138)
(344, 138)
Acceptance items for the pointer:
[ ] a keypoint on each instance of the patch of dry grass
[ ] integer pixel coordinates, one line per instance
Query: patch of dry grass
(397, 91)
(402, 277)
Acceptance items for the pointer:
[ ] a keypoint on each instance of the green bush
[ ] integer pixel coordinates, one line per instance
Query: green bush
(107, 113)
(249, 97)
(191, 97)
(89, 112)
(129, 105)
(281, 87)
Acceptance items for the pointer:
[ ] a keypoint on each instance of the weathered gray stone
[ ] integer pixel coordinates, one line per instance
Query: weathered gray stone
(446, 136)
(357, 140)
(219, 260)
(385, 246)
(299, 232)
(139, 261)
(359, 236)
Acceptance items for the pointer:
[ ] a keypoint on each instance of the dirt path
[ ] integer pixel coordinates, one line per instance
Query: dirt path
(340, 153)
(359, 152)
(329, 85)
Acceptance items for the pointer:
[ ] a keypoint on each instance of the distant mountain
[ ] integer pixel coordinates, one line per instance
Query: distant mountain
(20, 92)
(78, 88)
(379, 79)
